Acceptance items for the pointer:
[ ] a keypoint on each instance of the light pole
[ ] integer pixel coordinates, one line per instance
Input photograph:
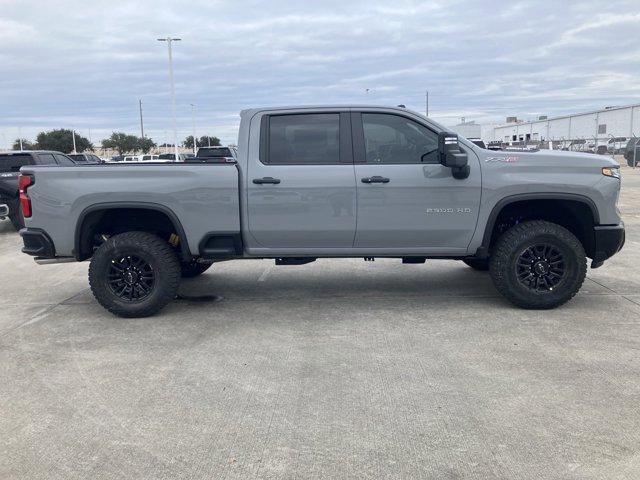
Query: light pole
(73, 136)
(193, 119)
(169, 41)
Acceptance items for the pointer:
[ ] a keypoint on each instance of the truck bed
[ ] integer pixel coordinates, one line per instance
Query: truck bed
(204, 198)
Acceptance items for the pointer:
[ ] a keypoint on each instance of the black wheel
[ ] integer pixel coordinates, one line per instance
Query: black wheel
(193, 268)
(538, 265)
(17, 221)
(134, 274)
(480, 264)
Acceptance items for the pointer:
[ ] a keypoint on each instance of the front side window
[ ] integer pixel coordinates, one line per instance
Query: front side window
(63, 160)
(394, 139)
(308, 139)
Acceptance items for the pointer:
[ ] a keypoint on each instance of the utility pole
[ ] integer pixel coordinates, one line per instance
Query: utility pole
(427, 104)
(169, 41)
(141, 124)
(193, 119)
(73, 135)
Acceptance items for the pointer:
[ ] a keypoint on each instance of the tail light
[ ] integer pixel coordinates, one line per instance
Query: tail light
(25, 181)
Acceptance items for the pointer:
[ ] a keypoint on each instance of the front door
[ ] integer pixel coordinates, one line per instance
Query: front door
(301, 191)
(406, 198)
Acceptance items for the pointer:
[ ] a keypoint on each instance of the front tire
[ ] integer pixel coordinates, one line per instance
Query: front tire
(538, 265)
(134, 274)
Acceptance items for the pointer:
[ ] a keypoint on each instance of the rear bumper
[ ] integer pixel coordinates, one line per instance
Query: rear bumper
(609, 239)
(37, 243)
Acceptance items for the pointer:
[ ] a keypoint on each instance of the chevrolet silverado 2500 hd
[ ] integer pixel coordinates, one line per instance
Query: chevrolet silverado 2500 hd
(312, 182)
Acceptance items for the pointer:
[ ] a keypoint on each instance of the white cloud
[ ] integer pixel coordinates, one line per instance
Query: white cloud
(88, 63)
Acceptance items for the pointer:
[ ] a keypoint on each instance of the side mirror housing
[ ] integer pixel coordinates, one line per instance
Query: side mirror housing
(452, 156)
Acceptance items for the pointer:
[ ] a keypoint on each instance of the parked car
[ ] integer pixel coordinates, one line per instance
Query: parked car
(10, 164)
(215, 154)
(85, 158)
(331, 182)
(171, 157)
(130, 158)
(616, 145)
(633, 145)
(148, 157)
(117, 158)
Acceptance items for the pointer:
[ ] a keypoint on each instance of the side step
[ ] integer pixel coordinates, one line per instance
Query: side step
(294, 260)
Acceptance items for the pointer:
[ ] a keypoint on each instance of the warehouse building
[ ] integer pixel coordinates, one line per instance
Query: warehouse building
(609, 126)
(467, 129)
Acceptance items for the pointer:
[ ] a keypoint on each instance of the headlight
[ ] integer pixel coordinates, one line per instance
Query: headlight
(611, 172)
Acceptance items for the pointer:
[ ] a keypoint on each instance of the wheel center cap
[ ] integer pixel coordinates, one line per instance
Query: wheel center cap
(130, 277)
(541, 268)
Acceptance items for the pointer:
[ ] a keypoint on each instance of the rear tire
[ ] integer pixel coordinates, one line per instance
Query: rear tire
(134, 274)
(538, 265)
(480, 264)
(193, 268)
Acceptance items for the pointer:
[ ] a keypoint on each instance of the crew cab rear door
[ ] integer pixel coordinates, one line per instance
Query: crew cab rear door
(406, 198)
(301, 186)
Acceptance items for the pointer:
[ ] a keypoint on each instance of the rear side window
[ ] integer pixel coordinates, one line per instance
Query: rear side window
(308, 139)
(12, 163)
(46, 159)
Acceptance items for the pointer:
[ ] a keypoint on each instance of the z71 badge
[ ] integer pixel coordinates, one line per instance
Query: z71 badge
(505, 159)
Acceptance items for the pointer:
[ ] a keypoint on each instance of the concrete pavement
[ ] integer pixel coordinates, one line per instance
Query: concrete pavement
(335, 369)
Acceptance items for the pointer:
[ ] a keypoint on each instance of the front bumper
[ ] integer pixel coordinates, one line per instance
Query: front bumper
(609, 239)
(4, 210)
(37, 243)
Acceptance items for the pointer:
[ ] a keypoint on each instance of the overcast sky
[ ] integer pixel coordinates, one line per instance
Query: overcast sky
(84, 65)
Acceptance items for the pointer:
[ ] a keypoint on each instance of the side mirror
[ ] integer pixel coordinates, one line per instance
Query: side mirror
(452, 156)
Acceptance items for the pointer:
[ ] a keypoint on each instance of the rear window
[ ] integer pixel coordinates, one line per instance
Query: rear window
(12, 163)
(215, 152)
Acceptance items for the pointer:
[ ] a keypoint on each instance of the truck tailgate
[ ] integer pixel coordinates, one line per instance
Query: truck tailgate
(203, 198)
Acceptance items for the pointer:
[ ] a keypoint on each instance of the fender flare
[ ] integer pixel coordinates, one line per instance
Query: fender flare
(483, 250)
(184, 246)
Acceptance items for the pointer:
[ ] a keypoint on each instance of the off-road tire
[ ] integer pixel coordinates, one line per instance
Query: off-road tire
(152, 249)
(514, 241)
(193, 268)
(480, 264)
(17, 221)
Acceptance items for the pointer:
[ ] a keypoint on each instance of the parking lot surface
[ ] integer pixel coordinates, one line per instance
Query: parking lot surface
(335, 369)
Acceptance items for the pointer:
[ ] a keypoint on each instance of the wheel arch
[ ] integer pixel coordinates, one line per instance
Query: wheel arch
(581, 225)
(90, 218)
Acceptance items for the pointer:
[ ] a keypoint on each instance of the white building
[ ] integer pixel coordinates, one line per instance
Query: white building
(596, 127)
(467, 129)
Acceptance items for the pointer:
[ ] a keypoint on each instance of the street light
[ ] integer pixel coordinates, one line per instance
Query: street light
(169, 41)
(193, 119)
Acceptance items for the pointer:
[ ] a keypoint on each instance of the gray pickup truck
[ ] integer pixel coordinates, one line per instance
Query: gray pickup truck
(330, 181)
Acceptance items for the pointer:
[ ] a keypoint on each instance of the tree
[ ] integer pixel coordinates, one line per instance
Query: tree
(61, 140)
(203, 141)
(26, 144)
(145, 144)
(122, 142)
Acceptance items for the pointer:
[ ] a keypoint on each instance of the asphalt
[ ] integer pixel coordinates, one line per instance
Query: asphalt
(336, 369)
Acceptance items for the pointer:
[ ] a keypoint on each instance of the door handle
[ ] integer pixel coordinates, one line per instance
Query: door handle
(375, 179)
(263, 180)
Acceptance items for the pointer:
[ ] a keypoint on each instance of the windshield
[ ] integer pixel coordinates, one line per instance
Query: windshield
(215, 152)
